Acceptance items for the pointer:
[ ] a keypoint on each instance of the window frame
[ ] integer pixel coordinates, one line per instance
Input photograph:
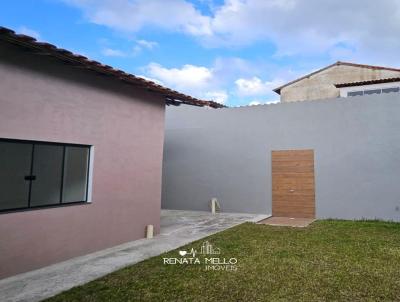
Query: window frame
(358, 93)
(372, 91)
(61, 203)
(395, 88)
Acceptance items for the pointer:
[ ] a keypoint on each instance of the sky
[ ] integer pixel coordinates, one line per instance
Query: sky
(234, 51)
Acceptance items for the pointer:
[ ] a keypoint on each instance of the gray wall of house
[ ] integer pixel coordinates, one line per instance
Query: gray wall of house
(226, 153)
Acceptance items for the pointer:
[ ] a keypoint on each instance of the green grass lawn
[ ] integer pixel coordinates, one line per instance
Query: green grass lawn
(329, 260)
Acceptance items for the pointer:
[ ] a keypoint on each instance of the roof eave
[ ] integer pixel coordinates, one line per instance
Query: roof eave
(45, 48)
(370, 82)
(277, 90)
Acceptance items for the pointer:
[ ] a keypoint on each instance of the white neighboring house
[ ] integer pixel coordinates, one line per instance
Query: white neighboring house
(382, 86)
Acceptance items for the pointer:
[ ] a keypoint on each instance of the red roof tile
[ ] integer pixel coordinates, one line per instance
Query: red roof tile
(172, 97)
(370, 82)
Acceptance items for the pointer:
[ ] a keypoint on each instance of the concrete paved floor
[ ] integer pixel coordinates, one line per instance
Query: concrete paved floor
(177, 228)
(288, 221)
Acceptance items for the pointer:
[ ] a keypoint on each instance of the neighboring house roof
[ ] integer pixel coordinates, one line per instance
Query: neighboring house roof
(370, 82)
(278, 90)
(172, 97)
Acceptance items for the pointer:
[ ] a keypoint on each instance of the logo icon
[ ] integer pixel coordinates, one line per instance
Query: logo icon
(211, 259)
(208, 249)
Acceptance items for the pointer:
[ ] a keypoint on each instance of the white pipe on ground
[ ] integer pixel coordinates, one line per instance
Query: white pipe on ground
(215, 205)
(149, 231)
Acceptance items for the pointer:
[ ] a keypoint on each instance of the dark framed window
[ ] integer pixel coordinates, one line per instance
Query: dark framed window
(372, 91)
(391, 89)
(42, 174)
(355, 93)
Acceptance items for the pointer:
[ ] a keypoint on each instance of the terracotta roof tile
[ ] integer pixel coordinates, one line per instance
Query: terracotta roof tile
(172, 97)
(370, 82)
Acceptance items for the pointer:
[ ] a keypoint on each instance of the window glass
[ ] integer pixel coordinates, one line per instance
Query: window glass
(15, 165)
(47, 169)
(355, 93)
(390, 90)
(372, 91)
(37, 174)
(75, 174)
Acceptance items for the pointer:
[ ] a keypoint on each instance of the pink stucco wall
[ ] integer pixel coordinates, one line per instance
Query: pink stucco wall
(44, 100)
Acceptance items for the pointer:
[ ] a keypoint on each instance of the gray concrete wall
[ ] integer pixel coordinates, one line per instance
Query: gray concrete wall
(226, 153)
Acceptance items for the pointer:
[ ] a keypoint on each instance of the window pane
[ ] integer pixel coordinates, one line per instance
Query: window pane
(372, 91)
(389, 90)
(75, 174)
(15, 164)
(47, 167)
(354, 93)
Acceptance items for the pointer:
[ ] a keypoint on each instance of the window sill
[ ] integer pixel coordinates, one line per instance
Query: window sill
(63, 205)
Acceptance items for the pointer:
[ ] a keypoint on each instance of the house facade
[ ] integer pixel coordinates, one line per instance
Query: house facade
(321, 84)
(81, 148)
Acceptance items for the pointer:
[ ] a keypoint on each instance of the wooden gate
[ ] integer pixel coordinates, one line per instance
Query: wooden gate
(293, 186)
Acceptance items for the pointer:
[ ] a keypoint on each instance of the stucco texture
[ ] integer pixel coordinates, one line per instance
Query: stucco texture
(226, 153)
(322, 84)
(45, 100)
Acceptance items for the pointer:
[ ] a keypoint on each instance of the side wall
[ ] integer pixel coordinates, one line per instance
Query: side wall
(69, 105)
(322, 84)
(226, 153)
